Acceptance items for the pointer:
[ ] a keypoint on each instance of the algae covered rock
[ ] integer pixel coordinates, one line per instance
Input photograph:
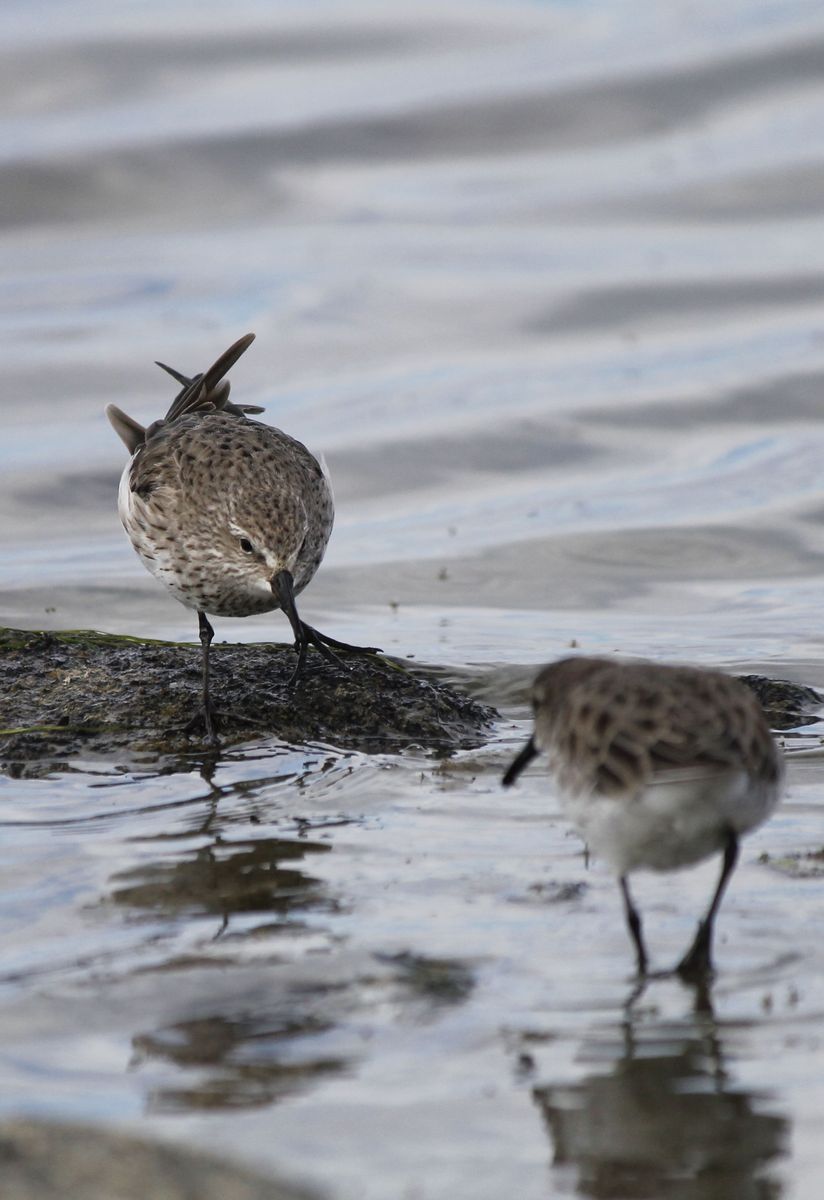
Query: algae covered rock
(83, 693)
(787, 705)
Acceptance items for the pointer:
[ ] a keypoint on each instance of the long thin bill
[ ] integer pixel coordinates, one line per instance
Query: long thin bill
(524, 758)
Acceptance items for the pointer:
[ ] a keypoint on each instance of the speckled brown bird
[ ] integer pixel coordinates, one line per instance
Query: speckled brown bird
(659, 767)
(232, 515)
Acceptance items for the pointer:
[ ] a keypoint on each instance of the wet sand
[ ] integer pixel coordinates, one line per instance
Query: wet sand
(545, 284)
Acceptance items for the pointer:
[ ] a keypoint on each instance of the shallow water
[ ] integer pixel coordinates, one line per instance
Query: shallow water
(545, 284)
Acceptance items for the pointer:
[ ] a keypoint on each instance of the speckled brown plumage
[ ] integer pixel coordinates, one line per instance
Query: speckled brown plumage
(611, 726)
(208, 483)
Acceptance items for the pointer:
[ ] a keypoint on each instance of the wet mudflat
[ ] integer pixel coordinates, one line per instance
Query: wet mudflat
(544, 283)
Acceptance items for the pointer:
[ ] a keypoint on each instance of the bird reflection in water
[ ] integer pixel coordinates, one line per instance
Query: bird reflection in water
(660, 1116)
(229, 878)
(268, 1042)
(245, 1060)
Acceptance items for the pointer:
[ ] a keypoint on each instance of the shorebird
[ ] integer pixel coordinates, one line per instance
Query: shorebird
(659, 767)
(231, 515)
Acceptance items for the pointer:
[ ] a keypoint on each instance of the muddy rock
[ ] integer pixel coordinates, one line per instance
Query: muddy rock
(787, 705)
(63, 695)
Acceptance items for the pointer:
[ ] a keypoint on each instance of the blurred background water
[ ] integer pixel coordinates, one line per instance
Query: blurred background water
(545, 284)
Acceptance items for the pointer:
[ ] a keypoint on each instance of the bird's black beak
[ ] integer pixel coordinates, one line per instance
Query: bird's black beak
(529, 751)
(283, 588)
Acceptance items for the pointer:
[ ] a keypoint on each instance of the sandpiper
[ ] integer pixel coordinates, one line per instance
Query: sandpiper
(659, 767)
(232, 515)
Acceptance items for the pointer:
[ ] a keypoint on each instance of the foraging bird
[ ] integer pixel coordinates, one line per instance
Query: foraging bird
(659, 767)
(232, 515)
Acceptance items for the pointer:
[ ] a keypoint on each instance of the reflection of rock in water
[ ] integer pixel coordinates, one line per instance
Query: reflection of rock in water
(664, 1121)
(242, 1061)
(228, 878)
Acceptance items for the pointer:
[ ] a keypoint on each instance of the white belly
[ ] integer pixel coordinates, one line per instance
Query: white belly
(678, 820)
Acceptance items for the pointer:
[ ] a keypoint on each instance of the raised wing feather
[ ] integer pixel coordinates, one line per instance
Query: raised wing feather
(209, 390)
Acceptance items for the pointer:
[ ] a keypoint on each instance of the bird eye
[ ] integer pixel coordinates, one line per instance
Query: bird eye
(246, 546)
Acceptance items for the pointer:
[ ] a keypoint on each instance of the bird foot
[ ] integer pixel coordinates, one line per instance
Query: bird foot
(696, 965)
(324, 645)
(208, 721)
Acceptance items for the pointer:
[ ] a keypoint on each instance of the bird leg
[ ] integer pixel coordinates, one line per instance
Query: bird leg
(207, 713)
(696, 963)
(305, 636)
(634, 925)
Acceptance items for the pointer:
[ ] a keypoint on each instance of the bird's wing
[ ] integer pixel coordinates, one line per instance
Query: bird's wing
(209, 389)
(131, 432)
(150, 468)
(638, 729)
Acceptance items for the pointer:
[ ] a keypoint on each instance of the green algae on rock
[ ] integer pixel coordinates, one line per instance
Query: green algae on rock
(85, 693)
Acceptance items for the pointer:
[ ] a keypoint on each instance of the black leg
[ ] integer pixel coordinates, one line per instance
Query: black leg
(634, 924)
(305, 635)
(207, 713)
(697, 962)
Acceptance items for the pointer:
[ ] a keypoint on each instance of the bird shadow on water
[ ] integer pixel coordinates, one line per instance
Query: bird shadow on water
(659, 1112)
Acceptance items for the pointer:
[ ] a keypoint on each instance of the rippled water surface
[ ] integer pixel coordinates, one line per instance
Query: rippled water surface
(545, 284)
